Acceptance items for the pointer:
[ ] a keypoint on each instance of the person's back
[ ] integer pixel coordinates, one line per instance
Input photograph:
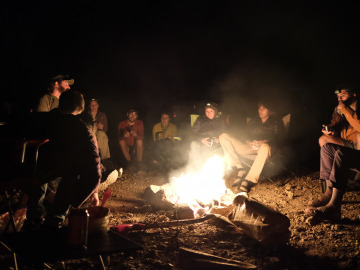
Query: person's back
(71, 154)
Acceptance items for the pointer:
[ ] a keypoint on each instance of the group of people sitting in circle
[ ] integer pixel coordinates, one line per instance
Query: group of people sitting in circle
(77, 153)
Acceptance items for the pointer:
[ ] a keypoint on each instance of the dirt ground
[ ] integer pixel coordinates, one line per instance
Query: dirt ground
(313, 244)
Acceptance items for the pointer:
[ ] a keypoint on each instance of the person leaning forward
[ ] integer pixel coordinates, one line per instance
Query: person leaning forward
(71, 154)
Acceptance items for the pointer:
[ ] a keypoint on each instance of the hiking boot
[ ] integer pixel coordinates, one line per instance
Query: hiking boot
(111, 179)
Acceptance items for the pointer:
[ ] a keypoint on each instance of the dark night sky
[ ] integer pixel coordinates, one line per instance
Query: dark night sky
(151, 54)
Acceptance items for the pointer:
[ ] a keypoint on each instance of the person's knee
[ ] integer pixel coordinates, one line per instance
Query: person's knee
(139, 143)
(322, 140)
(101, 136)
(223, 137)
(265, 149)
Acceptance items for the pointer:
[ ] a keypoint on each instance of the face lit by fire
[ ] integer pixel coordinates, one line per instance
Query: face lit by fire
(344, 95)
(263, 112)
(94, 106)
(62, 86)
(132, 116)
(165, 119)
(210, 113)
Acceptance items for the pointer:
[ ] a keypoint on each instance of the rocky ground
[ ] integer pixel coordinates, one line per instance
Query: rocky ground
(314, 244)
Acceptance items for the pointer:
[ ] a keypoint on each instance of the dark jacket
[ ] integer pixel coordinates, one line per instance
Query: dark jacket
(272, 130)
(206, 128)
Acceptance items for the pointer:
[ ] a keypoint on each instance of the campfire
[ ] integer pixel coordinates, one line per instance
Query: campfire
(198, 190)
(204, 193)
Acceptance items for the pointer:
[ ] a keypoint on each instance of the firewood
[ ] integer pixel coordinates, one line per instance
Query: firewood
(195, 260)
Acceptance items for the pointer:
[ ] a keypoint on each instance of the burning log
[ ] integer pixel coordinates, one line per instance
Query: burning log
(260, 222)
(194, 260)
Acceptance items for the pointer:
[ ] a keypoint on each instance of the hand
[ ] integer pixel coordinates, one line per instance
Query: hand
(100, 126)
(216, 140)
(94, 200)
(255, 144)
(341, 105)
(324, 131)
(206, 142)
(126, 134)
(134, 133)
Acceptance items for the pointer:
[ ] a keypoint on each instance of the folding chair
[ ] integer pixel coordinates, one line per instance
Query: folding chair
(20, 165)
(248, 160)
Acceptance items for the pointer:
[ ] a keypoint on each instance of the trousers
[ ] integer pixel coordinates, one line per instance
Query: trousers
(336, 162)
(233, 149)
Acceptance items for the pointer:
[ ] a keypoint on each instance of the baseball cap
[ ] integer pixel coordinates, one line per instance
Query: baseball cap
(60, 78)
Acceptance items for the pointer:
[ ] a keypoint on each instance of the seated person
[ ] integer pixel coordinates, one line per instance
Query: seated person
(335, 164)
(262, 134)
(205, 136)
(108, 171)
(340, 130)
(130, 134)
(163, 136)
(101, 128)
(70, 153)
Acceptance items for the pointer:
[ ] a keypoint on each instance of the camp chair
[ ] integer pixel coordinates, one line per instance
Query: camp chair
(18, 170)
(248, 160)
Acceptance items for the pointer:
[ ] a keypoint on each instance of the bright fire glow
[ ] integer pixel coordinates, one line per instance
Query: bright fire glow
(198, 188)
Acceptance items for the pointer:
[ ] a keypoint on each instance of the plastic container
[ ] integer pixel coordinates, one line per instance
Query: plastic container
(98, 219)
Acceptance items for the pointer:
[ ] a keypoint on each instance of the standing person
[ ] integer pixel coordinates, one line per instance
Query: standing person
(263, 133)
(131, 134)
(71, 154)
(341, 130)
(205, 136)
(101, 123)
(58, 85)
(163, 136)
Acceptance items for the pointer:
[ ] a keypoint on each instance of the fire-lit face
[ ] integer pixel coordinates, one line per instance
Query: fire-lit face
(132, 116)
(165, 119)
(210, 113)
(263, 112)
(343, 95)
(63, 86)
(94, 106)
